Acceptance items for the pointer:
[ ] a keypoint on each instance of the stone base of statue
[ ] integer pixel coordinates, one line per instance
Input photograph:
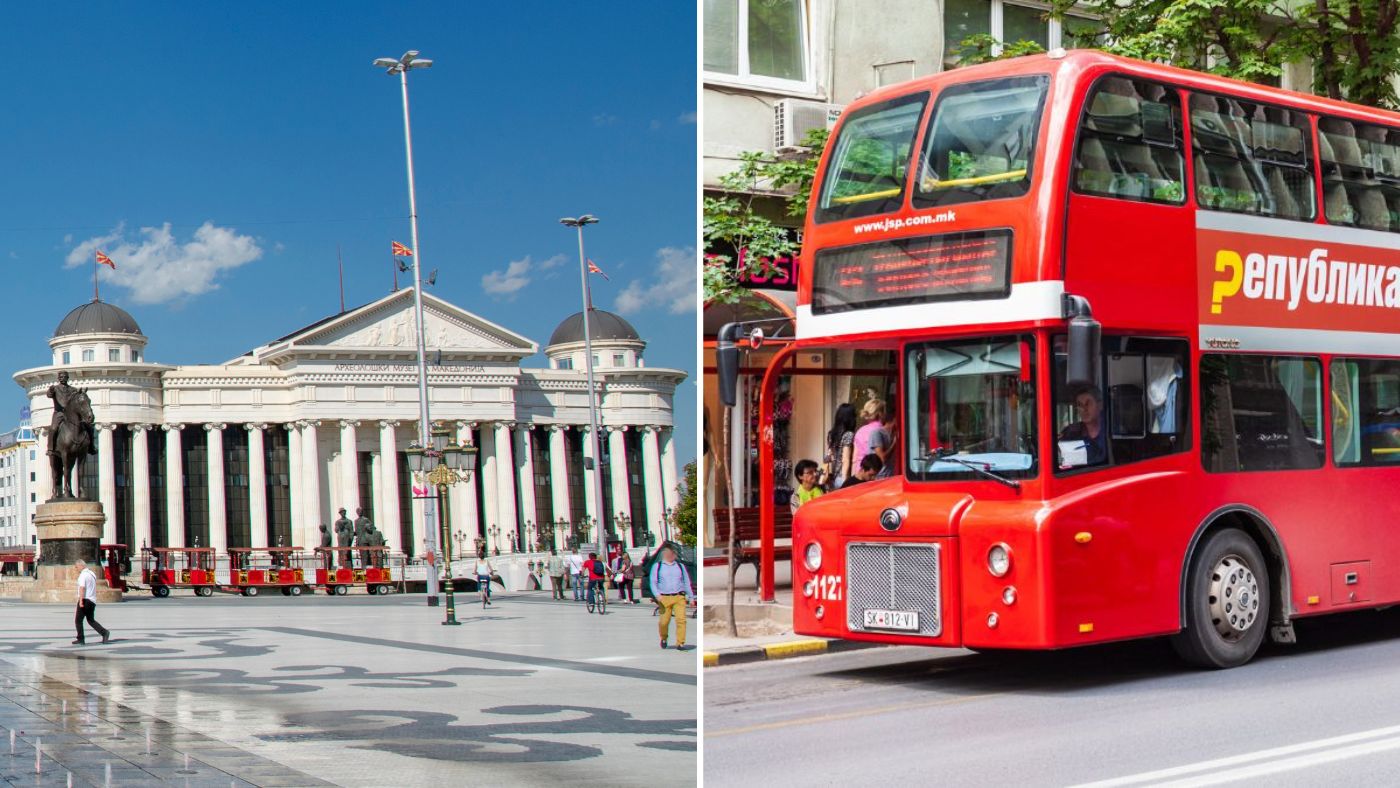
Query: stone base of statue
(68, 530)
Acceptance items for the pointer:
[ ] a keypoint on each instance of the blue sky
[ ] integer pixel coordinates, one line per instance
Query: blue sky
(260, 133)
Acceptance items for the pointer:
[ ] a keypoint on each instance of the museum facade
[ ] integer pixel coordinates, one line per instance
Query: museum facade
(262, 449)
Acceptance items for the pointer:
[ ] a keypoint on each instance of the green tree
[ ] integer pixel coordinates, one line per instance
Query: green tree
(734, 218)
(982, 48)
(687, 512)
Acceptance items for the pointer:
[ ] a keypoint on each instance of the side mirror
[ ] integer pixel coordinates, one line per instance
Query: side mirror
(727, 363)
(1082, 367)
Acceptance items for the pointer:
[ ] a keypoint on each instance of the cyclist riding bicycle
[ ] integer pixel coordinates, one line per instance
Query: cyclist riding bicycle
(597, 575)
(483, 578)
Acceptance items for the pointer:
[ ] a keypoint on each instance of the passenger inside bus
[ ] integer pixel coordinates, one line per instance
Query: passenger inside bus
(1084, 441)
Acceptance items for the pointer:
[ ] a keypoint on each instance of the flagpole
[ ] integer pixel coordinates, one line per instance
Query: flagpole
(340, 265)
(96, 296)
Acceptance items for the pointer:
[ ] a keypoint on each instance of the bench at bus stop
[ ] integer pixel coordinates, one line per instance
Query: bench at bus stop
(747, 539)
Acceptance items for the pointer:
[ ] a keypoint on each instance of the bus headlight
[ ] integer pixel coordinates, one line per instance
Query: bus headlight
(812, 556)
(999, 559)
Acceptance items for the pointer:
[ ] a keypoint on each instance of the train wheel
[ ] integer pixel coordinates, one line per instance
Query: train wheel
(341, 590)
(1227, 602)
(160, 592)
(286, 591)
(250, 591)
(386, 590)
(205, 590)
(296, 590)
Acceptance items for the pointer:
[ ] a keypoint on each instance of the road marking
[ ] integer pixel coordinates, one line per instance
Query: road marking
(795, 648)
(847, 715)
(1262, 762)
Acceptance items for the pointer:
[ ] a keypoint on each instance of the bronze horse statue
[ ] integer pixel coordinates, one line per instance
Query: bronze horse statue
(72, 444)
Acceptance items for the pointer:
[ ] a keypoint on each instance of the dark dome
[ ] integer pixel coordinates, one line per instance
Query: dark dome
(601, 326)
(97, 317)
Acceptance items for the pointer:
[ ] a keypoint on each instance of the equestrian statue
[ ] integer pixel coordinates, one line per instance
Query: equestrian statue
(70, 437)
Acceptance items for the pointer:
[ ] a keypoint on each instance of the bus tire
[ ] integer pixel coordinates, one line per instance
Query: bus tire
(296, 590)
(160, 592)
(205, 591)
(1227, 602)
(341, 590)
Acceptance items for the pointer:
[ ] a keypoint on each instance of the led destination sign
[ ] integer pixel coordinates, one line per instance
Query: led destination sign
(912, 271)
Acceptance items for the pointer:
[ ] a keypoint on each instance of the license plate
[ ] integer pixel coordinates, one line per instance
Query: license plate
(907, 620)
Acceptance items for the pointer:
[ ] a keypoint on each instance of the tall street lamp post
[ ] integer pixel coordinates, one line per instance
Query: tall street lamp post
(578, 224)
(402, 66)
(443, 464)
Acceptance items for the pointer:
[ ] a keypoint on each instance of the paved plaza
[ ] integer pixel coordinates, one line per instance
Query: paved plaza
(350, 691)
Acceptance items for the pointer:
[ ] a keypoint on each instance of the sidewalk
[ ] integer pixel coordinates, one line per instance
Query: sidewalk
(765, 629)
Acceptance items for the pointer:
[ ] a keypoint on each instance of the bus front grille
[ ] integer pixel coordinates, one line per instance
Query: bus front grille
(896, 577)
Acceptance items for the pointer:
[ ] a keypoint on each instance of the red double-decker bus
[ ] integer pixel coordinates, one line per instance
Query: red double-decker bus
(1147, 331)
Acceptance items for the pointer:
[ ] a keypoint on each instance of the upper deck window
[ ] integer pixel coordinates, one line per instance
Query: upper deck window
(1252, 158)
(1130, 143)
(981, 141)
(1360, 174)
(870, 160)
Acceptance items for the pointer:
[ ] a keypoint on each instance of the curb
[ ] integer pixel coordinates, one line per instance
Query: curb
(794, 648)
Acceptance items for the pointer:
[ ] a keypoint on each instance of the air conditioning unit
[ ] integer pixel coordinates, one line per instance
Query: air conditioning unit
(793, 118)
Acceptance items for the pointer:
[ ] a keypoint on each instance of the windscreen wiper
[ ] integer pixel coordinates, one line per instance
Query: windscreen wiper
(946, 455)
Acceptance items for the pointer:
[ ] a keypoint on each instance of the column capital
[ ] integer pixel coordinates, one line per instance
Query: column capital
(255, 427)
(508, 425)
(304, 423)
(170, 427)
(105, 426)
(140, 427)
(390, 423)
(349, 423)
(214, 425)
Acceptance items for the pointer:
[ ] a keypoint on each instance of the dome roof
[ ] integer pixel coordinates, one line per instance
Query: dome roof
(602, 326)
(97, 317)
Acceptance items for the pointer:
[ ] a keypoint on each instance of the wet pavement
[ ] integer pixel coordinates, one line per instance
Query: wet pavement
(344, 691)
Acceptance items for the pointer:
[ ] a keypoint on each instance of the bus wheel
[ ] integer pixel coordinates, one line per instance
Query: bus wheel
(250, 591)
(205, 590)
(341, 590)
(295, 590)
(160, 592)
(1227, 602)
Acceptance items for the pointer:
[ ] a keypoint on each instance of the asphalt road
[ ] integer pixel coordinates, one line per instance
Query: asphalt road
(1323, 712)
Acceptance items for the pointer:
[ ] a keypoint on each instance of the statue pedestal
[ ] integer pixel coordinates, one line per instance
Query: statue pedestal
(68, 530)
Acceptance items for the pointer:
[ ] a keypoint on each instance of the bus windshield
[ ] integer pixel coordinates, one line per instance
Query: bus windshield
(870, 160)
(981, 141)
(972, 402)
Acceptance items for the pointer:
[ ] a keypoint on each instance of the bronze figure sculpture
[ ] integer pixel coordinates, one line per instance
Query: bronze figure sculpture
(70, 437)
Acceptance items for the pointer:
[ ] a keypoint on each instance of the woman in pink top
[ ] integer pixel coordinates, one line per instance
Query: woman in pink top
(873, 414)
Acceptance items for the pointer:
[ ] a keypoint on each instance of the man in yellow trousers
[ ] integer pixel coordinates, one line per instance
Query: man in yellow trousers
(670, 584)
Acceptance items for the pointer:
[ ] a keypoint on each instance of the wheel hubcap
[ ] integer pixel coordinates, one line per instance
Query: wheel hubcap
(1234, 597)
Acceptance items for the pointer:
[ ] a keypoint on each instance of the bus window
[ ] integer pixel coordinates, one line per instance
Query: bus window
(1137, 415)
(971, 405)
(981, 141)
(1251, 158)
(1365, 412)
(1260, 413)
(1360, 174)
(1130, 143)
(870, 159)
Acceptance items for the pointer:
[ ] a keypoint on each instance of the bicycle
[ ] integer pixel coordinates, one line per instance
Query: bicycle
(597, 597)
(484, 590)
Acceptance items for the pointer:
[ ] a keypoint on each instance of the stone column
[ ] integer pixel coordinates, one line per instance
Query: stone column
(651, 480)
(590, 488)
(257, 486)
(107, 480)
(349, 470)
(218, 519)
(505, 485)
(559, 478)
(668, 469)
(464, 502)
(43, 472)
(621, 491)
(295, 484)
(140, 489)
(174, 487)
(487, 463)
(528, 511)
(386, 519)
(311, 486)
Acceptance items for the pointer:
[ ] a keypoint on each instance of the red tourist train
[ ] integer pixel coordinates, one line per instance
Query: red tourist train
(1144, 326)
(288, 570)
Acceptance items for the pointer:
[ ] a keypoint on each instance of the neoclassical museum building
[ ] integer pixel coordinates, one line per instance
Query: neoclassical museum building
(262, 449)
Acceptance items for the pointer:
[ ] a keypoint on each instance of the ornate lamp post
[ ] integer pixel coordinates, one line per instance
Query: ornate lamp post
(442, 465)
(561, 527)
(668, 518)
(495, 531)
(624, 528)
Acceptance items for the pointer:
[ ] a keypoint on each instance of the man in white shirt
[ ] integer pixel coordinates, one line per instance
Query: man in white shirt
(87, 603)
(576, 569)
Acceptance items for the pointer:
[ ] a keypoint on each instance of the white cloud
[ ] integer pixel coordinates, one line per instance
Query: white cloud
(156, 268)
(686, 118)
(605, 119)
(506, 284)
(672, 285)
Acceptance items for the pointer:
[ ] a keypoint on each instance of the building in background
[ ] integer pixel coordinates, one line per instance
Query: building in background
(262, 449)
(20, 463)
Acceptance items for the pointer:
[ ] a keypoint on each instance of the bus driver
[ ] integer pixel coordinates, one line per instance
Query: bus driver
(1088, 407)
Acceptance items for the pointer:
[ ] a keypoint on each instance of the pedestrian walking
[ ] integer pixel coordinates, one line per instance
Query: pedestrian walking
(623, 575)
(556, 573)
(670, 584)
(575, 572)
(87, 603)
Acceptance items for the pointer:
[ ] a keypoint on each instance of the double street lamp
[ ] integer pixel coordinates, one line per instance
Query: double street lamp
(579, 223)
(442, 464)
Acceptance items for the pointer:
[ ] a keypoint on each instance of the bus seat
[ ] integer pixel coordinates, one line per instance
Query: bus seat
(1219, 133)
(1371, 208)
(1284, 204)
(1345, 147)
(1111, 113)
(1125, 406)
(1337, 206)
